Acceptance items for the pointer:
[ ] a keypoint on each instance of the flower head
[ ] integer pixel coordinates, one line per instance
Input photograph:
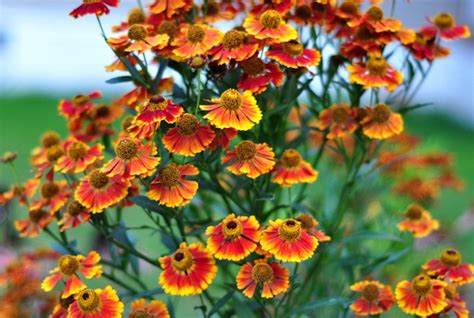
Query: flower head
(75, 215)
(78, 105)
(250, 159)
(196, 39)
(156, 109)
(449, 267)
(375, 298)
(270, 25)
(54, 195)
(418, 221)
(291, 169)
(381, 122)
(96, 7)
(310, 224)
(91, 303)
(139, 38)
(234, 46)
(445, 25)
(78, 156)
(340, 119)
(154, 309)
(293, 55)
(37, 220)
(257, 75)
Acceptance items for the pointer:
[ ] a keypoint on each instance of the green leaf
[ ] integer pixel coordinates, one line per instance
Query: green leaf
(151, 205)
(119, 79)
(220, 303)
(265, 197)
(320, 303)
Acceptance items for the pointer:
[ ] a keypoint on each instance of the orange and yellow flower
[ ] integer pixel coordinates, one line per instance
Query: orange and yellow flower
(375, 73)
(291, 169)
(54, 195)
(422, 296)
(139, 39)
(188, 271)
(196, 39)
(170, 187)
(78, 105)
(96, 7)
(68, 270)
(340, 119)
(171, 7)
(157, 109)
(234, 238)
(154, 309)
(78, 156)
(92, 303)
(380, 122)
(449, 268)
(287, 241)
(272, 278)
(96, 191)
(257, 75)
(456, 304)
(250, 159)
(418, 221)
(235, 46)
(36, 221)
(293, 55)
(188, 137)
(375, 298)
(310, 224)
(374, 18)
(270, 25)
(75, 215)
(233, 110)
(445, 25)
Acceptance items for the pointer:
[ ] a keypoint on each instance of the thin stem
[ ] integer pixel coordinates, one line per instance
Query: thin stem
(198, 98)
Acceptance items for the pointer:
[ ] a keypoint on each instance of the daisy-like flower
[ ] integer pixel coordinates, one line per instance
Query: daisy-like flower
(287, 241)
(78, 156)
(222, 138)
(293, 55)
(450, 268)
(426, 47)
(196, 39)
(189, 137)
(456, 304)
(381, 123)
(139, 39)
(96, 191)
(170, 187)
(158, 109)
(234, 238)
(270, 277)
(188, 271)
(291, 169)
(75, 215)
(78, 105)
(60, 310)
(270, 25)
(96, 7)
(154, 309)
(92, 303)
(418, 221)
(214, 12)
(235, 46)
(375, 73)
(374, 18)
(132, 159)
(340, 119)
(310, 224)
(68, 270)
(422, 296)
(54, 195)
(37, 220)
(233, 110)
(250, 159)
(171, 7)
(446, 26)
(375, 298)
(257, 75)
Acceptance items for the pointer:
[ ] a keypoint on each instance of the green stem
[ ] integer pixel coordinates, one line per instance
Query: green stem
(198, 98)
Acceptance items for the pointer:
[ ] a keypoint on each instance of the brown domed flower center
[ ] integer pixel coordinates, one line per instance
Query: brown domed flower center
(68, 264)
(381, 113)
(232, 229)
(126, 149)
(213, 8)
(233, 39)
(88, 301)
(364, 33)
(414, 212)
(168, 27)
(187, 124)
(291, 158)
(98, 180)
(451, 257)
(137, 32)
(102, 111)
(339, 115)
(36, 215)
(77, 150)
(74, 208)
(65, 302)
(8, 157)
(271, 19)
(169, 176)
(293, 48)
(303, 12)
(182, 260)
(196, 34)
(306, 220)
(49, 190)
(127, 122)
(370, 292)
(444, 21)
(290, 230)
(253, 66)
(140, 314)
(349, 7)
(231, 99)
(80, 100)
(136, 16)
(157, 102)
(50, 139)
(421, 284)
(375, 13)
(246, 150)
(262, 273)
(377, 65)
(54, 153)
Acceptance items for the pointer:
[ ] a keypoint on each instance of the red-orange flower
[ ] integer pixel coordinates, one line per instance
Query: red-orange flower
(158, 109)
(310, 224)
(170, 187)
(132, 159)
(54, 195)
(189, 271)
(235, 46)
(381, 123)
(272, 278)
(257, 75)
(97, 7)
(68, 269)
(445, 25)
(418, 221)
(196, 39)
(223, 137)
(234, 238)
(154, 309)
(376, 298)
(292, 54)
(189, 137)
(287, 241)
(422, 296)
(139, 38)
(426, 47)
(75, 215)
(93, 303)
(233, 110)
(170, 7)
(455, 305)
(270, 25)
(250, 159)
(96, 191)
(291, 169)
(340, 119)
(449, 268)
(36, 221)
(78, 156)
(374, 18)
